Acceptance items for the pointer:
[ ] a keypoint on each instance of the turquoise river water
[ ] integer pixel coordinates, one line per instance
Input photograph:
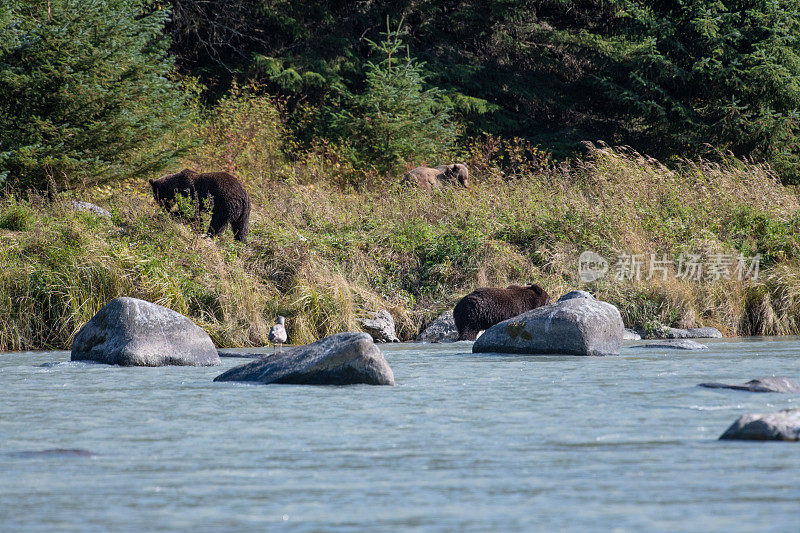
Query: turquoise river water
(463, 443)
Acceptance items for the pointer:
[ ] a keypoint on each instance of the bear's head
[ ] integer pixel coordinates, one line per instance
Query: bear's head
(168, 186)
(458, 172)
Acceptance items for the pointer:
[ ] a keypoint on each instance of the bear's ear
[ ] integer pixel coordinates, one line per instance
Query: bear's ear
(151, 181)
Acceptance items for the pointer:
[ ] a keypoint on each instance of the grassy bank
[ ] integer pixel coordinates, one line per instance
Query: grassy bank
(328, 242)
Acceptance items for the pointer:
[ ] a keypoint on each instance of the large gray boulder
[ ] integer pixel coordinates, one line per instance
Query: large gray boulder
(783, 425)
(768, 384)
(577, 326)
(380, 326)
(443, 329)
(132, 332)
(340, 359)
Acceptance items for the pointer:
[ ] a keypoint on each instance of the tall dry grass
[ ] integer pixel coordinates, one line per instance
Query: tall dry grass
(324, 252)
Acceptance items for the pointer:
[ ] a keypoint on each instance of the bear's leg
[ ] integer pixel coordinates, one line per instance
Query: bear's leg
(240, 227)
(219, 219)
(468, 334)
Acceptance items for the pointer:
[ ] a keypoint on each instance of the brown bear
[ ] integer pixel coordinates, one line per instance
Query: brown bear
(486, 307)
(230, 202)
(434, 178)
(457, 172)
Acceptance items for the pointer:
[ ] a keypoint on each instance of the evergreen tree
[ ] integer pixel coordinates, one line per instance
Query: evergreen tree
(724, 72)
(396, 119)
(85, 93)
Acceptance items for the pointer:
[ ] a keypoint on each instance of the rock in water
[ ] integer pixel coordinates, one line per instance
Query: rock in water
(631, 335)
(674, 344)
(341, 359)
(131, 332)
(443, 329)
(692, 333)
(577, 326)
(769, 384)
(783, 425)
(380, 326)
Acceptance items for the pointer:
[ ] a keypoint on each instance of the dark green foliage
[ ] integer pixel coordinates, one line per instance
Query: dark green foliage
(711, 71)
(395, 119)
(84, 92)
(512, 68)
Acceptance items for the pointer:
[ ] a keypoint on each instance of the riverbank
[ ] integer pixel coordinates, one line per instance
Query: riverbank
(324, 254)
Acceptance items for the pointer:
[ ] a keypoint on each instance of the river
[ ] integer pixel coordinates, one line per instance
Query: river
(463, 443)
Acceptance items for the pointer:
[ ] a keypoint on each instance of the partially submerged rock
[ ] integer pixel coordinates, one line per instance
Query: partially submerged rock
(630, 335)
(443, 329)
(380, 326)
(676, 344)
(783, 425)
(341, 359)
(664, 332)
(768, 384)
(693, 333)
(132, 332)
(576, 326)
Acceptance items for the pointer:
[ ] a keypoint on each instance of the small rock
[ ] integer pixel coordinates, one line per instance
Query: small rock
(630, 335)
(443, 329)
(663, 332)
(91, 208)
(783, 425)
(768, 384)
(577, 326)
(576, 294)
(380, 326)
(677, 344)
(132, 332)
(693, 333)
(340, 359)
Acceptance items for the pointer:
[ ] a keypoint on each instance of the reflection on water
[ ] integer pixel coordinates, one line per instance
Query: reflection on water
(463, 442)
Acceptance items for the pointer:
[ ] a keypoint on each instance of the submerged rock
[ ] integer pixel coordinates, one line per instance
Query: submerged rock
(341, 359)
(443, 329)
(132, 332)
(783, 425)
(380, 326)
(576, 326)
(768, 384)
(676, 344)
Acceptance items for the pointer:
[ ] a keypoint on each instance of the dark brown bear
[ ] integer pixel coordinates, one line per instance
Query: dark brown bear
(229, 200)
(485, 307)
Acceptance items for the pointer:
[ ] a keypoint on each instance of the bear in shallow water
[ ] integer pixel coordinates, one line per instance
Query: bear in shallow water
(485, 307)
(220, 192)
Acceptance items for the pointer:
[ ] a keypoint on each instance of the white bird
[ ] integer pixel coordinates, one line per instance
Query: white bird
(277, 333)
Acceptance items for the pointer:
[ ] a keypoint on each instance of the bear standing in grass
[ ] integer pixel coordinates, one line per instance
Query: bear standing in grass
(485, 307)
(219, 192)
